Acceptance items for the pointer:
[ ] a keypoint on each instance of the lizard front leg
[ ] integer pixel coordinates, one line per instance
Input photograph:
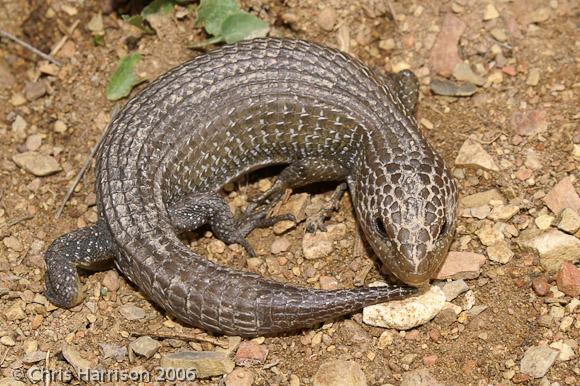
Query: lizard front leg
(304, 172)
(197, 209)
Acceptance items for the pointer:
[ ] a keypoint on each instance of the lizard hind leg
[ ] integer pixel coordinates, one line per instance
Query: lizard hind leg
(87, 248)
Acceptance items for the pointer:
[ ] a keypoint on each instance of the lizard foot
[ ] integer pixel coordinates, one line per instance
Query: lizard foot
(317, 221)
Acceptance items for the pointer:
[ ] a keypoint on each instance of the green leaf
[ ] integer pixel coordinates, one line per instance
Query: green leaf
(155, 6)
(243, 25)
(206, 42)
(212, 13)
(99, 40)
(139, 22)
(123, 79)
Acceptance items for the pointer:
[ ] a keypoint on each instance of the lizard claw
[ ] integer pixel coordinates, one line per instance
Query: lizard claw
(244, 243)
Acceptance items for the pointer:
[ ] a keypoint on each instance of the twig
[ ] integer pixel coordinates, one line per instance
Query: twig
(393, 13)
(436, 110)
(29, 47)
(63, 40)
(4, 356)
(18, 220)
(163, 335)
(80, 175)
(87, 163)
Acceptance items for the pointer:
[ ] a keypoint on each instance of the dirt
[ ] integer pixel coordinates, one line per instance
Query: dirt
(485, 349)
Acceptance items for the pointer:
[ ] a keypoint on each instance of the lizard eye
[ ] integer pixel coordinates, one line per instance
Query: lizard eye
(444, 229)
(382, 230)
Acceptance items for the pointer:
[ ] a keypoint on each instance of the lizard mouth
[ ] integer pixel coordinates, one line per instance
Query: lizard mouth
(414, 275)
(413, 279)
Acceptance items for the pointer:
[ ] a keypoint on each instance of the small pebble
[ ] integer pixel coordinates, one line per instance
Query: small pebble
(37, 164)
(132, 312)
(110, 350)
(540, 285)
(60, 127)
(454, 289)
(529, 123)
(448, 88)
(73, 357)
(490, 12)
(569, 221)
(500, 252)
(544, 221)
(328, 283)
(281, 244)
(327, 18)
(537, 361)
(473, 155)
(339, 373)
(239, 377)
(533, 77)
(7, 340)
(251, 353)
(568, 279)
(463, 72)
(419, 377)
(499, 34)
(35, 90)
(145, 346)
(563, 195)
(566, 352)
(111, 281)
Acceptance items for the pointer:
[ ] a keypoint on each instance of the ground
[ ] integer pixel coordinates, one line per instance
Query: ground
(528, 127)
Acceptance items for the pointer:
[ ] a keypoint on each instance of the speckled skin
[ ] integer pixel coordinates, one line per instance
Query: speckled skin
(238, 108)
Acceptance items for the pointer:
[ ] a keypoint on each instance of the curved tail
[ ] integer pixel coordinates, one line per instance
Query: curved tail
(226, 301)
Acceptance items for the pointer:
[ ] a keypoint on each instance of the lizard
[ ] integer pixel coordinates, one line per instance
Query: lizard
(320, 113)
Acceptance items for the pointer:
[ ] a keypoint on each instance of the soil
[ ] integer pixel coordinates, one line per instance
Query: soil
(485, 349)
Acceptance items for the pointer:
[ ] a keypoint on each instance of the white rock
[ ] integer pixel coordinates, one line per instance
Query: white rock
(132, 312)
(386, 339)
(565, 350)
(472, 154)
(490, 12)
(553, 246)
(407, 313)
(533, 160)
(35, 163)
(280, 245)
(321, 244)
(489, 234)
(339, 373)
(503, 212)
(569, 221)
(454, 289)
(469, 300)
(145, 346)
(500, 252)
(544, 221)
(481, 198)
(537, 361)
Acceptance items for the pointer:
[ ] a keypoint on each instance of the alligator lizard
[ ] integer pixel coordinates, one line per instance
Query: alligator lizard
(320, 112)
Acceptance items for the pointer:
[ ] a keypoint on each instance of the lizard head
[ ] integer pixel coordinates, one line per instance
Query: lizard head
(407, 212)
